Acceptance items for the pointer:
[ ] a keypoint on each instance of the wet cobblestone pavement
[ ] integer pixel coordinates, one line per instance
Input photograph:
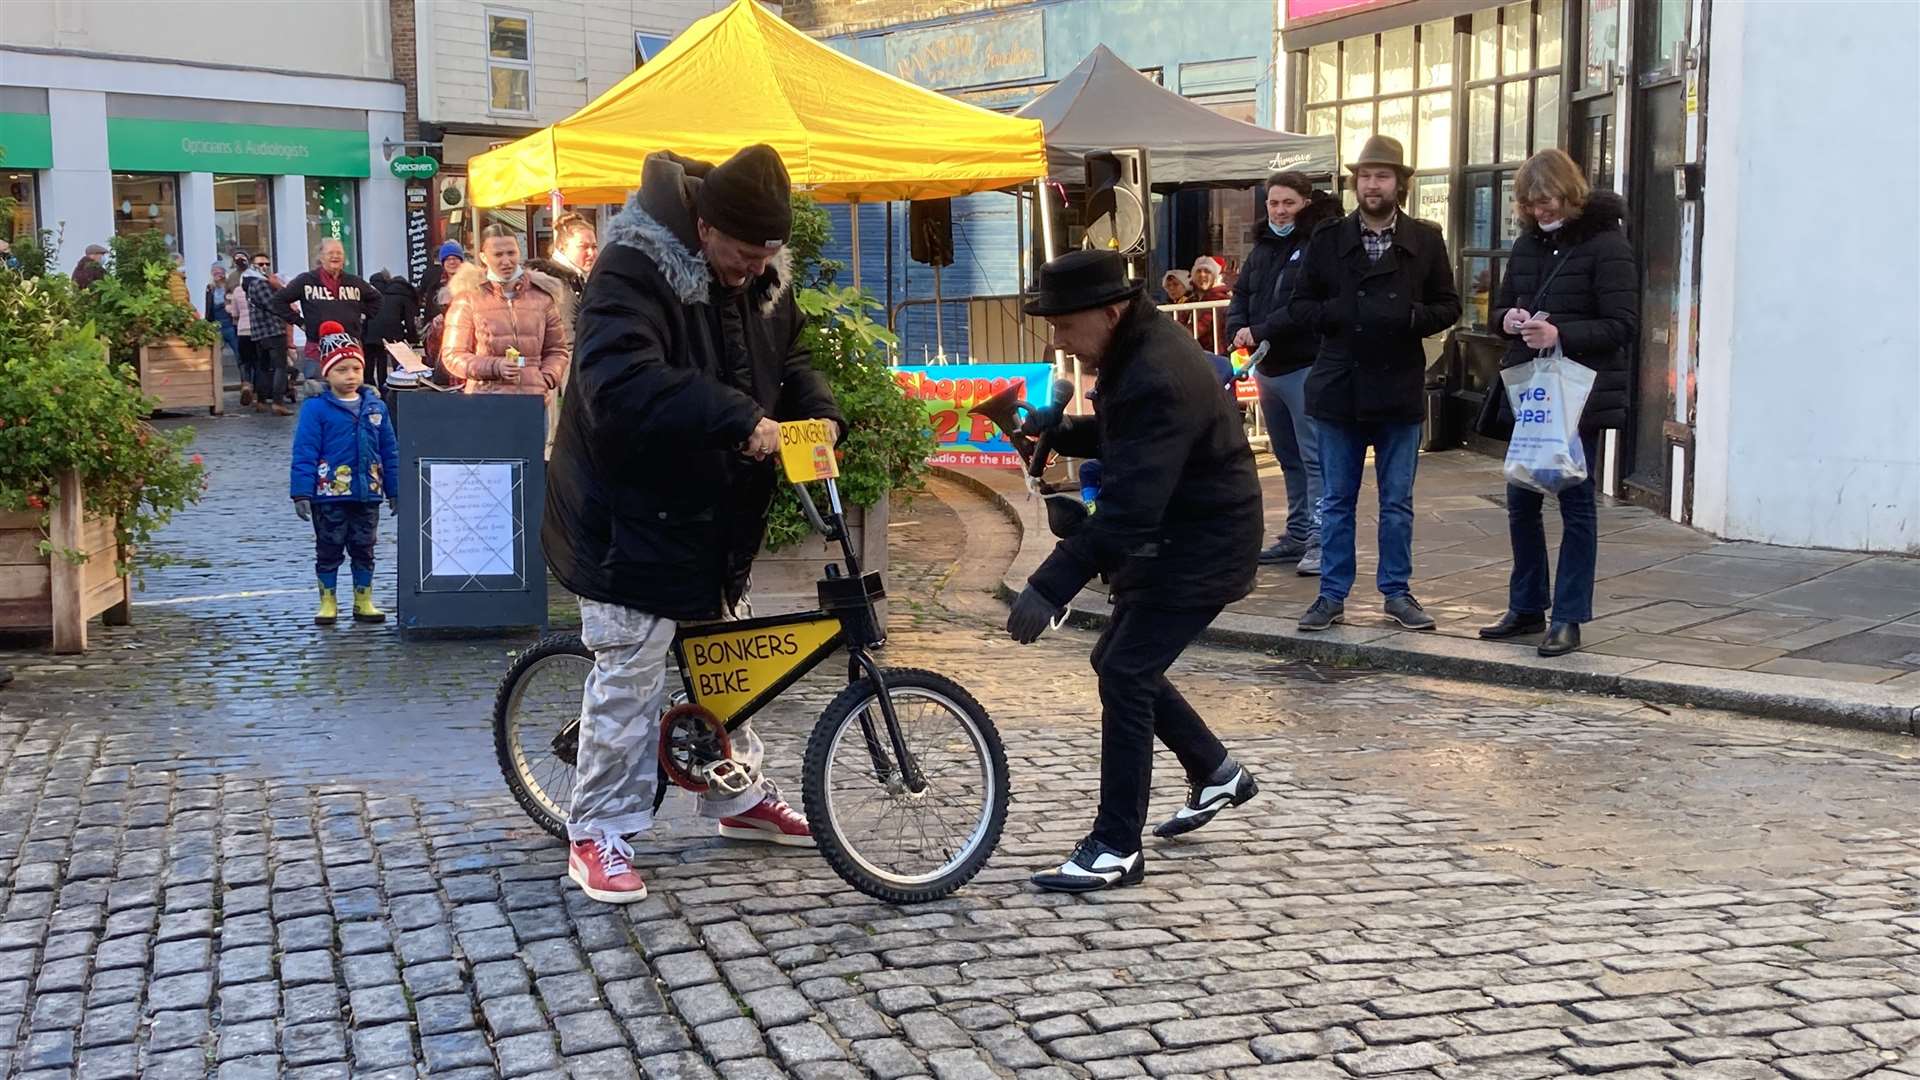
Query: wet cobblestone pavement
(233, 844)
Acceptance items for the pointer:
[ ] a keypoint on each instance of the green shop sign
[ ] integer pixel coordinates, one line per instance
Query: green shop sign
(26, 141)
(140, 145)
(420, 167)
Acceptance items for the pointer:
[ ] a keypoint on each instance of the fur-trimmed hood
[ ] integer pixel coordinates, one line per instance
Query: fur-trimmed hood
(473, 276)
(659, 222)
(1605, 212)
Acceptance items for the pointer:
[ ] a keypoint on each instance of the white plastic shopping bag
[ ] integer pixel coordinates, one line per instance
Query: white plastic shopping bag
(1547, 395)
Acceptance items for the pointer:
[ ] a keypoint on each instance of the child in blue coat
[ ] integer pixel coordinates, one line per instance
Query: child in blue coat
(344, 459)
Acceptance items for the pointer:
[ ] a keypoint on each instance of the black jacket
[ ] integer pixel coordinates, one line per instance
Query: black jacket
(351, 304)
(1372, 318)
(399, 304)
(1266, 284)
(649, 503)
(574, 280)
(1179, 521)
(1594, 300)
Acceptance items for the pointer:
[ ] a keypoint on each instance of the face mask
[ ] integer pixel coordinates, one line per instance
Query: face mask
(498, 280)
(1554, 227)
(1281, 230)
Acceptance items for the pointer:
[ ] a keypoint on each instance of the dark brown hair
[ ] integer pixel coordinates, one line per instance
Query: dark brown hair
(1297, 182)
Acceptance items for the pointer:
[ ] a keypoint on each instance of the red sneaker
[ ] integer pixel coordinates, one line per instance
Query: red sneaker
(772, 821)
(601, 869)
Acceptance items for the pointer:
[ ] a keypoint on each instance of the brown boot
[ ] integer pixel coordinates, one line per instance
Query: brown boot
(246, 395)
(281, 410)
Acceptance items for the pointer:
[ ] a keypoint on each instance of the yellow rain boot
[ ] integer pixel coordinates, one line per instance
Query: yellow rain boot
(329, 608)
(363, 609)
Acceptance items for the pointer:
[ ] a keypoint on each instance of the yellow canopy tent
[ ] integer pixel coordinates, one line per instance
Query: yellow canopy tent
(741, 76)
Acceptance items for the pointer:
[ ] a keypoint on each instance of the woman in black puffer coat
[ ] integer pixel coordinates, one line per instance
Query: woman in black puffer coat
(1571, 282)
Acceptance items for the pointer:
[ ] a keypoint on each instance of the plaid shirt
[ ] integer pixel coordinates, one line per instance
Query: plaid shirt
(1377, 243)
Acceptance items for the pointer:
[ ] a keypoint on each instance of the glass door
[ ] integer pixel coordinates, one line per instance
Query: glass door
(1659, 143)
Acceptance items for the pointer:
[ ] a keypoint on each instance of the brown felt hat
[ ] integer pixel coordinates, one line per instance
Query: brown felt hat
(1383, 150)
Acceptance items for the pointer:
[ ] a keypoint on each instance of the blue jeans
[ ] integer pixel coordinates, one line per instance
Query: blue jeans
(1579, 547)
(1343, 460)
(1296, 443)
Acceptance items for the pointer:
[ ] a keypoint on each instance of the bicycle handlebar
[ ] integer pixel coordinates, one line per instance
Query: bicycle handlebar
(813, 513)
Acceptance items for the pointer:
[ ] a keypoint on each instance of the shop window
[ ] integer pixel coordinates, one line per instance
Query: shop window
(332, 213)
(1396, 83)
(242, 215)
(1514, 104)
(23, 223)
(147, 202)
(509, 61)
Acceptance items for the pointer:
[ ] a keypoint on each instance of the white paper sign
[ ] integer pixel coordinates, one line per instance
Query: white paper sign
(471, 519)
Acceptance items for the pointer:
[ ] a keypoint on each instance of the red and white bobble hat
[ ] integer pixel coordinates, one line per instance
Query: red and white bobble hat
(337, 345)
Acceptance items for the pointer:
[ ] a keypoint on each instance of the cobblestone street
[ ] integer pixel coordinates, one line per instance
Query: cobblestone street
(234, 844)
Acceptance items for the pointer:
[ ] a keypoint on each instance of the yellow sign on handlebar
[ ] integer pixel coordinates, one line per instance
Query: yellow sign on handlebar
(806, 451)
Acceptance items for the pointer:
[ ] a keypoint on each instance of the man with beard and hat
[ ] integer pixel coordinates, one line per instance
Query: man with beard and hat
(1177, 533)
(687, 355)
(1374, 285)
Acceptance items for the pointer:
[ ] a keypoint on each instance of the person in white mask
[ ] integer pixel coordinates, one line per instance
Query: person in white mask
(505, 334)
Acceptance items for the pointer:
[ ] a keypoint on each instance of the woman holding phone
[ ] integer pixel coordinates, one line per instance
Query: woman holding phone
(1571, 283)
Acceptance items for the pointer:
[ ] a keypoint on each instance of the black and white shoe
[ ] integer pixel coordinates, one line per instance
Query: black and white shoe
(1094, 866)
(1230, 785)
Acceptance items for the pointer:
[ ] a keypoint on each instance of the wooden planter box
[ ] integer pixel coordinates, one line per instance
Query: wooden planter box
(178, 376)
(787, 580)
(41, 592)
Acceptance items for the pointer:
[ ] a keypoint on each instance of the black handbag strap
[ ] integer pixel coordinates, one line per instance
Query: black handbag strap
(1551, 274)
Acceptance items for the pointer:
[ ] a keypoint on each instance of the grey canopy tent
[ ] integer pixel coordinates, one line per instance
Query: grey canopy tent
(1104, 104)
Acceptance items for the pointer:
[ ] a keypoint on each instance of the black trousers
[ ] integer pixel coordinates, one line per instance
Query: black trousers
(343, 529)
(265, 368)
(1137, 705)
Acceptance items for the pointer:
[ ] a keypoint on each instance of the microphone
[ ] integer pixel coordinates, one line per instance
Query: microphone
(1044, 420)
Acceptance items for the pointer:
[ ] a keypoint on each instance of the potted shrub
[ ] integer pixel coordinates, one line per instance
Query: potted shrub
(886, 445)
(174, 353)
(84, 479)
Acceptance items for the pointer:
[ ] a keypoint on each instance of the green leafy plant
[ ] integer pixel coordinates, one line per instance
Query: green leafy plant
(62, 406)
(132, 306)
(886, 445)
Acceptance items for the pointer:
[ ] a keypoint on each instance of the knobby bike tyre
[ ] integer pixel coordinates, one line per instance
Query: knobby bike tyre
(860, 869)
(514, 763)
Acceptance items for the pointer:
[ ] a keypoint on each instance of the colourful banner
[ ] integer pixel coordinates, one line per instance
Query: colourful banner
(948, 391)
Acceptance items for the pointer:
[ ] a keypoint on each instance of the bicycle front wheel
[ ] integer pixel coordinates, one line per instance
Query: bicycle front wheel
(883, 838)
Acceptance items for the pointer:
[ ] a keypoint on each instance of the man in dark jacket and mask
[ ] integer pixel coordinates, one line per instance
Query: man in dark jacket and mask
(1177, 532)
(1375, 284)
(688, 353)
(1258, 316)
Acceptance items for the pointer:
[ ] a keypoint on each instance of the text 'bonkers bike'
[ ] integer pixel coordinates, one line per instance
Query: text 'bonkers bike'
(904, 780)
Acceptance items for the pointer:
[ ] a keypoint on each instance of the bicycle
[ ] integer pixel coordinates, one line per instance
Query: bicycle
(912, 749)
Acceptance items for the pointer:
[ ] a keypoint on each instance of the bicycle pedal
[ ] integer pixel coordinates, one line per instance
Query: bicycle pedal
(729, 776)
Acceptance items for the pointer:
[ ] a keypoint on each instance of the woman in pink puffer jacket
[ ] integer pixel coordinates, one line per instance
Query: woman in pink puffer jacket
(499, 304)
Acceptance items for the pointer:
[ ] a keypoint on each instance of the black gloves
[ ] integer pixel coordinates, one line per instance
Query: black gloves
(1032, 615)
(303, 507)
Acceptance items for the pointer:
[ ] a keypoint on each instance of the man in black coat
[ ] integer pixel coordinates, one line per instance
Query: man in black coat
(1258, 316)
(1376, 283)
(1176, 532)
(399, 303)
(688, 354)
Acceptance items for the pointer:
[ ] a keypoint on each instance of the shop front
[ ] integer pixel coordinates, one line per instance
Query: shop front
(26, 148)
(1472, 89)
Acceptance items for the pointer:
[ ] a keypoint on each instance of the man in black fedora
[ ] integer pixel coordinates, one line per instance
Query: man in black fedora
(1374, 285)
(1177, 533)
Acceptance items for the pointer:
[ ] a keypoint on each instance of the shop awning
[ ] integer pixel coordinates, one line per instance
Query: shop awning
(1104, 104)
(742, 76)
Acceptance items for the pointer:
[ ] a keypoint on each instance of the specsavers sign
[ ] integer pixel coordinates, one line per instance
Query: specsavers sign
(140, 145)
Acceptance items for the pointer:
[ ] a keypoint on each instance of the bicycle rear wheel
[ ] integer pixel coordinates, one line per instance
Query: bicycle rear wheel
(885, 840)
(536, 723)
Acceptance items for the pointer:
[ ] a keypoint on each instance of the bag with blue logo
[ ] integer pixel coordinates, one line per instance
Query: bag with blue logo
(1547, 395)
